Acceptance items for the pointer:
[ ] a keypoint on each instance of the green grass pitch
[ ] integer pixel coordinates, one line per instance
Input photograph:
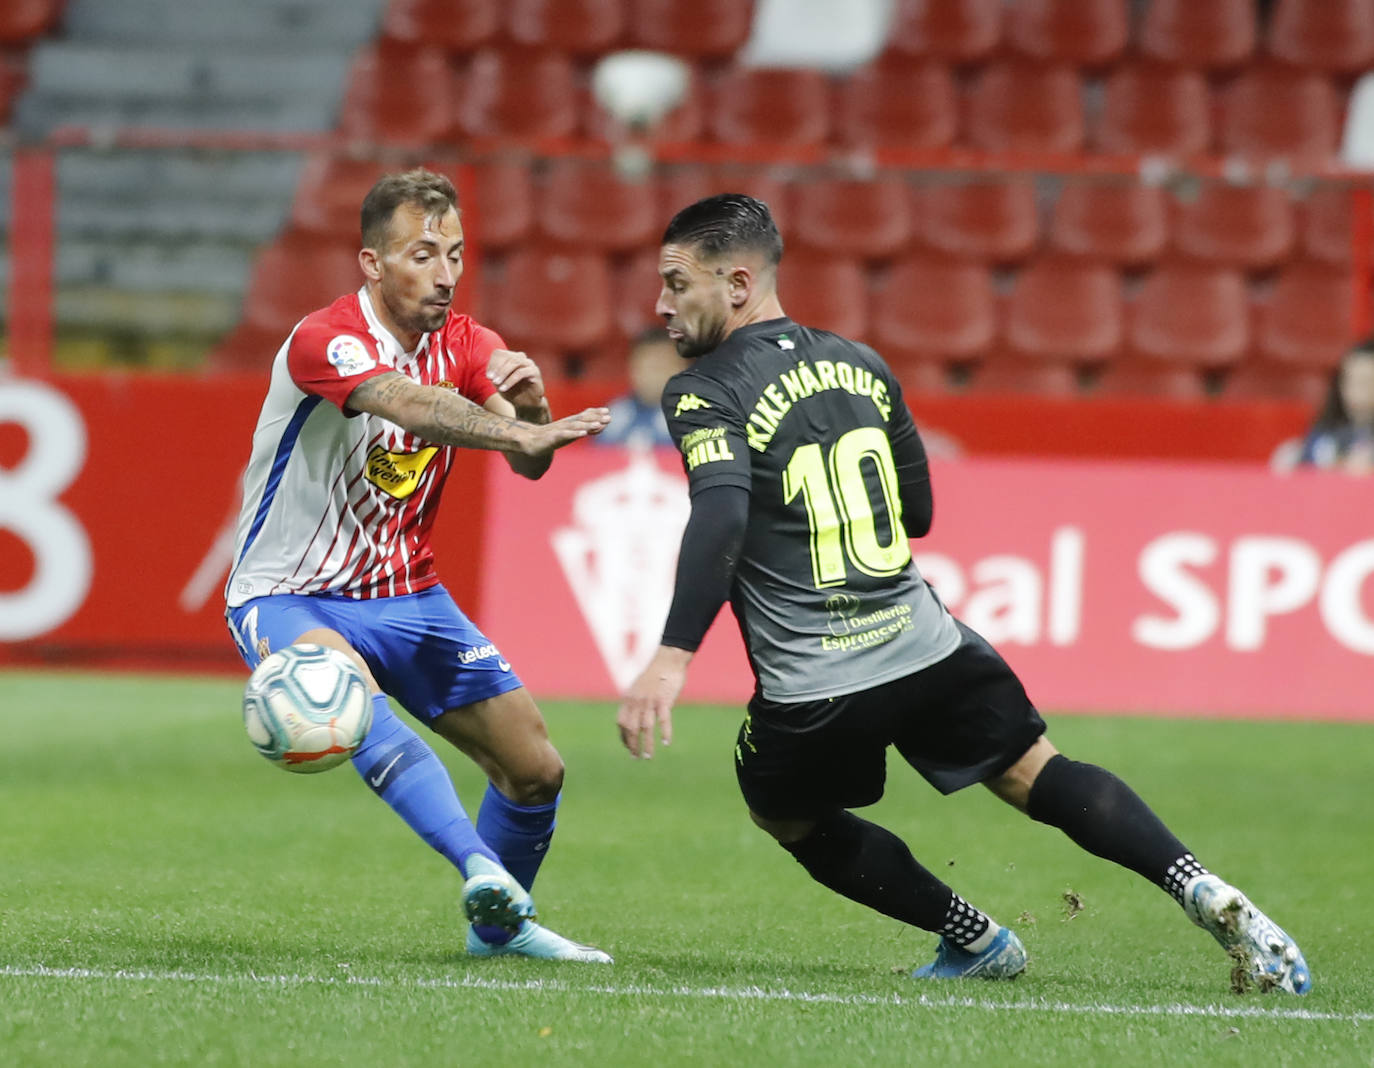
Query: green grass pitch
(166, 897)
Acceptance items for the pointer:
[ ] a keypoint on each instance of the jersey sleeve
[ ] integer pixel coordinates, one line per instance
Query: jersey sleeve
(475, 346)
(708, 429)
(332, 363)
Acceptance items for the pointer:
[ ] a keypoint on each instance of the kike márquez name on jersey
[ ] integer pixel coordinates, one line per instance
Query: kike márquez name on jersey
(824, 591)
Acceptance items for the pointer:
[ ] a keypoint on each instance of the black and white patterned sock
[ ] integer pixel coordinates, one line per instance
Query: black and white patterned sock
(966, 926)
(1178, 874)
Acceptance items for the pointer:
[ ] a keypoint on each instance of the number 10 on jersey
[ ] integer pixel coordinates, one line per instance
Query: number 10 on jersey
(841, 507)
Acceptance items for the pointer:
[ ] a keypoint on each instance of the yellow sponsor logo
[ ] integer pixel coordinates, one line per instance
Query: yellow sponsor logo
(689, 402)
(398, 473)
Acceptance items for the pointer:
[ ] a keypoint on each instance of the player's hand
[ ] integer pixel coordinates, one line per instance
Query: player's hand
(544, 439)
(516, 377)
(648, 703)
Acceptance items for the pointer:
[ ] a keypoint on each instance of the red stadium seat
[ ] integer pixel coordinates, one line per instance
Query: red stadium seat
(1250, 228)
(1306, 319)
(1133, 378)
(549, 300)
(920, 376)
(1330, 35)
(1199, 33)
(1062, 310)
(297, 274)
(686, 122)
(1002, 375)
(825, 292)
(1260, 380)
(23, 20)
(869, 219)
(1121, 222)
(707, 29)
(582, 27)
(1190, 314)
(891, 105)
(587, 204)
(636, 286)
(451, 25)
(398, 94)
(13, 75)
(503, 212)
(1327, 224)
(934, 308)
(686, 185)
(994, 220)
(1017, 106)
(1084, 33)
(790, 107)
(1150, 108)
(958, 30)
(517, 94)
(1273, 111)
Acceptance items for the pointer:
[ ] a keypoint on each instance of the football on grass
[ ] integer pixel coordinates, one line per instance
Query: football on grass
(306, 708)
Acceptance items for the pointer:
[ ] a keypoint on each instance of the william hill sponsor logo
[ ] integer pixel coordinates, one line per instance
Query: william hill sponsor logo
(398, 473)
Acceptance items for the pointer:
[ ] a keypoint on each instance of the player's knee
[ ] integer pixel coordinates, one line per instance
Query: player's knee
(537, 785)
(785, 831)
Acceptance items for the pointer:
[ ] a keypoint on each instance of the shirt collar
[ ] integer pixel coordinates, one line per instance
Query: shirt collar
(387, 345)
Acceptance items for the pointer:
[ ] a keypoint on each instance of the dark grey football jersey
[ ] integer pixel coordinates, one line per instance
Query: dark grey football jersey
(826, 595)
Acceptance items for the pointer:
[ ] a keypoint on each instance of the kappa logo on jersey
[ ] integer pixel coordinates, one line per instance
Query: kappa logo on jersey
(349, 356)
(689, 402)
(398, 473)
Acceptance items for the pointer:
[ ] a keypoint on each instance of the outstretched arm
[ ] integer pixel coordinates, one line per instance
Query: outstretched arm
(520, 395)
(705, 572)
(447, 418)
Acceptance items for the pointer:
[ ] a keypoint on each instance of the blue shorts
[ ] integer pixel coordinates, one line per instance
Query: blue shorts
(420, 647)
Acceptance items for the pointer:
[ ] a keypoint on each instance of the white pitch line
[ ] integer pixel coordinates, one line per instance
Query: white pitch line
(748, 993)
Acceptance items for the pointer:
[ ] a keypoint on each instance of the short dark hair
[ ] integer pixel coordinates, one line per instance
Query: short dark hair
(430, 192)
(1333, 415)
(728, 222)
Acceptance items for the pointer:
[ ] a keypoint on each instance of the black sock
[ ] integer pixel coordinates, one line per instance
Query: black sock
(1106, 817)
(871, 865)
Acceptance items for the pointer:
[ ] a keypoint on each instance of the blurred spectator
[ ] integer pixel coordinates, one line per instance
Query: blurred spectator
(636, 418)
(1342, 436)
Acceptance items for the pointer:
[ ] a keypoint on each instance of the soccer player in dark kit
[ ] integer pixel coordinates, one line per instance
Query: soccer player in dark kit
(807, 477)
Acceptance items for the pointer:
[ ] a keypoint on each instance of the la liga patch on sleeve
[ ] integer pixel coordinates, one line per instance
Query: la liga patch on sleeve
(349, 356)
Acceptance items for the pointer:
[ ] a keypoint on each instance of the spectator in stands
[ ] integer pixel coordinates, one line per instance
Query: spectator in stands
(1342, 436)
(636, 418)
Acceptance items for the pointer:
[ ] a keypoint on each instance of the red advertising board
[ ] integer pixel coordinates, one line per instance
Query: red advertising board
(1202, 589)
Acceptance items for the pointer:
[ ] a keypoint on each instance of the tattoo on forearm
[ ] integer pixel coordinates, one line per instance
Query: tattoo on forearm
(437, 415)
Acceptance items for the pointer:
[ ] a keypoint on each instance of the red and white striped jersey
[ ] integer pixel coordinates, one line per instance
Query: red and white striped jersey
(337, 501)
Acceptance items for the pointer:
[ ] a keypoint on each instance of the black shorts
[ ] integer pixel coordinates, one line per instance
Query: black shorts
(963, 720)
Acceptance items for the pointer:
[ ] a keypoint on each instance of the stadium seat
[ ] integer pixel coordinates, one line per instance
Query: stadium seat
(891, 105)
(920, 376)
(636, 285)
(1152, 108)
(582, 27)
(1084, 33)
(587, 204)
(512, 93)
(549, 300)
(454, 26)
(1246, 227)
(1306, 319)
(788, 107)
(1018, 106)
(503, 212)
(684, 185)
(1190, 314)
(994, 220)
(825, 292)
(1274, 111)
(684, 123)
(1326, 224)
(1121, 222)
(705, 29)
(1064, 310)
(1257, 379)
(1213, 34)
(931, 307)
(296, 274)
(999, 374)
(23, 20)
(1329, 35)
(330, 191)
(398, 94)
(1135, 378)
(868, 219)
(12, 78)
(961, 31)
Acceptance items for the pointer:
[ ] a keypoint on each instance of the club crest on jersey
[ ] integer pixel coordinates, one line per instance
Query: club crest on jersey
(689, 402)
(349, 356)
(398, 473)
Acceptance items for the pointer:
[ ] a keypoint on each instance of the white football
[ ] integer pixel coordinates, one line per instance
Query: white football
(306, 708)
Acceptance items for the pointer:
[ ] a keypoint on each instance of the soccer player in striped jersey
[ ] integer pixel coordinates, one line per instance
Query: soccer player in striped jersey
(368, 398)
(807, 476)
